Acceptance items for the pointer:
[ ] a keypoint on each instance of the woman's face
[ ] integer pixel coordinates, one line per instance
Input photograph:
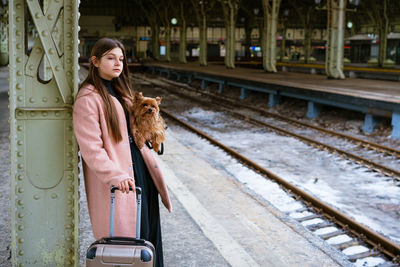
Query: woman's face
(110, 64)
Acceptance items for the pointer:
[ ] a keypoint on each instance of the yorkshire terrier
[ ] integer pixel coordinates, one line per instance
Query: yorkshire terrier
(147, 123)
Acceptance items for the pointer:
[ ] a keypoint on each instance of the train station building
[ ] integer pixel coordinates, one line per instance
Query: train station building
(281, 121)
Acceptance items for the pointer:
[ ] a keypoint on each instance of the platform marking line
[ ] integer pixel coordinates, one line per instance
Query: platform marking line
(233, 253)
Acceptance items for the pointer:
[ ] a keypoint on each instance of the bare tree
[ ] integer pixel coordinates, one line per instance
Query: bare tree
(151, 10)
(201, 9)
(166, 17)
(183, 13)
(382, 13)
(230, 9)
(305, 10)
(246, 9)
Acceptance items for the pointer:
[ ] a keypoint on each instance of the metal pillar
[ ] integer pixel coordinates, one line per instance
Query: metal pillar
(335, 49)
(3, 37)
(44, 180)
(273, 100)
(313, 110)
(369, 123)
(396, 125)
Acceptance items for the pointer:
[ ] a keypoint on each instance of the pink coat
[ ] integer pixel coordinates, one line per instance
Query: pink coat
(106, 163)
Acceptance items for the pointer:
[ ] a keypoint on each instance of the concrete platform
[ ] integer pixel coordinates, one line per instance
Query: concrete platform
(217, 222)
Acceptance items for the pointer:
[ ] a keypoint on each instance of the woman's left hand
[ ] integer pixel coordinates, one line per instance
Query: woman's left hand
(125, 184)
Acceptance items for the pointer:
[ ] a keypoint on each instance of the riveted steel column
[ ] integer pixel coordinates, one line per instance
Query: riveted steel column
(3, 36)
(44, 181)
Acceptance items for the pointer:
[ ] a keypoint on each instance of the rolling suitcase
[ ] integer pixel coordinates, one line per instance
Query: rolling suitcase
(121, 251)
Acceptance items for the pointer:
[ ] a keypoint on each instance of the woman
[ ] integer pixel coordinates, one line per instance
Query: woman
(110, 155)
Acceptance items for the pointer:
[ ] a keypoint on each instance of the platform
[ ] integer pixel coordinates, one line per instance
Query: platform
(371, 97)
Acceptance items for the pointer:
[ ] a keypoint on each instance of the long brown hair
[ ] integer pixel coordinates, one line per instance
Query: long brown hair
(121, 84)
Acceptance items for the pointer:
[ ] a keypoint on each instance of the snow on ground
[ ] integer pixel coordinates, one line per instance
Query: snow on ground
(369, 197)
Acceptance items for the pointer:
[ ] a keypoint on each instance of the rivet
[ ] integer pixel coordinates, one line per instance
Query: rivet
(44, 33)
(69, 21)
(39, 50)
(20, 253)
(18, 33)
(20, 166)
(69, 142)
(51, 51)
(19, 142)
(19, 73)
(37, 15)
(57, 99)
(69, 47)
(20, 202)
(70, 177)
(20, 113)
(50, 17)
(68, 60)
(70, 214)
(57, 68)
(32, 113)
(69, 7)
(54, 195)
(19, 128)
(69, 35)
(19, 86)
(69, 239)
(69, 202)
(19, 59)
(18, 19)
(32, 100)
(44, 113)
(57, 113)
(19, 154)
(30, 67)
(70, 165)
(18, 6)
(20, 98)
(36, 197)
(20, 227)
(44, 99)
(68, 226)
(69, 73)
(20, 240)
(69, 128)
(20, 215)
(18, 46)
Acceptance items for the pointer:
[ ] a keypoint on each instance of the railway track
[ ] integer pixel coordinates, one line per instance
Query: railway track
(314, 209)
(228, 104)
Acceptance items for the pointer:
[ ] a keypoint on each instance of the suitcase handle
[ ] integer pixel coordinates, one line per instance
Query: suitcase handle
(138, 211)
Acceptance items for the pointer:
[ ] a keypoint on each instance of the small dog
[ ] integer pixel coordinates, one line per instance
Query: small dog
(147, 123)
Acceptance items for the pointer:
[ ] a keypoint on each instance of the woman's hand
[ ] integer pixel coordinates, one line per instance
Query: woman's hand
(125, 184)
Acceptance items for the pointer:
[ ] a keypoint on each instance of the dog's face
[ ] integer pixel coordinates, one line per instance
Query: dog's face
(146, 106)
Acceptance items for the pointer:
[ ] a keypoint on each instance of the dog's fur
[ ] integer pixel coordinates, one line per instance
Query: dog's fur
(147, 123)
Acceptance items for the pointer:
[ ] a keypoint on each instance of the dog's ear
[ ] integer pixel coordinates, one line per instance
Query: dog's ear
(158, 99)
(138, 96)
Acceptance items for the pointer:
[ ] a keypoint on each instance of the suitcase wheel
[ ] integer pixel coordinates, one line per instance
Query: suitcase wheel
(145, 256)
(91, 253)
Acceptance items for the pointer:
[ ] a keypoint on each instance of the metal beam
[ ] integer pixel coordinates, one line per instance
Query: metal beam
(44, 180)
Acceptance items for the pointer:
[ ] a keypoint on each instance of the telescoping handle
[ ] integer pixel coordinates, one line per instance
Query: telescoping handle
(139, 208)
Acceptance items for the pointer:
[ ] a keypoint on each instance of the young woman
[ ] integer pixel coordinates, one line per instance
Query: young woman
(110, 156)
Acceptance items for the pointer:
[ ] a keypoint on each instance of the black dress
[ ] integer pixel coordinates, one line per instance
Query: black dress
(150, 227)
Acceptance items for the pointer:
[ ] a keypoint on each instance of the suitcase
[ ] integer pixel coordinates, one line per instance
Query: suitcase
(121, 251)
